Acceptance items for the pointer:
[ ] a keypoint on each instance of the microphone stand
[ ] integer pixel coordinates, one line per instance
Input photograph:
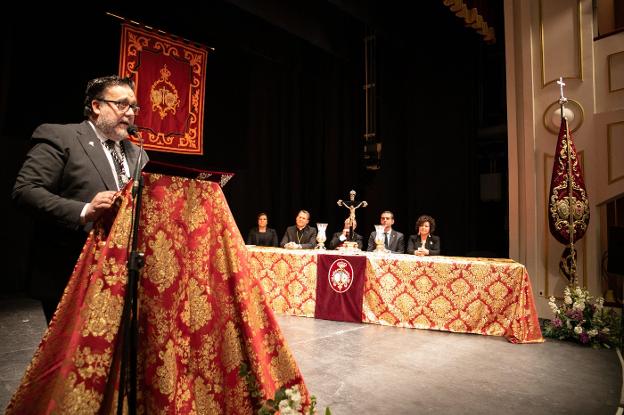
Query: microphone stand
(129, 324)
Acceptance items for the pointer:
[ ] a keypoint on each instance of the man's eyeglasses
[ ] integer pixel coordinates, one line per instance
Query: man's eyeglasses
(123, 105)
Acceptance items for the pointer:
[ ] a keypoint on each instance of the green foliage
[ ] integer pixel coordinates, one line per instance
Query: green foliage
(286, 401)
(584, 319)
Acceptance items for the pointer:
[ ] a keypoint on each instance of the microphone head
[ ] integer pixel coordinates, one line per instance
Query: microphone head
(132, 130)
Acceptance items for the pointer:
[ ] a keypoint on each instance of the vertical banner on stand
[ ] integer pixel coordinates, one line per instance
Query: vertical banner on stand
(170, 77)
(340, 287)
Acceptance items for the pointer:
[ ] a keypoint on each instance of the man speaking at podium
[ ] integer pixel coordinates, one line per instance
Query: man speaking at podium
(70, 177)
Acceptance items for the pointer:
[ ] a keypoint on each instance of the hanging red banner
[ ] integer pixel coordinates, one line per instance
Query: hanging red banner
(170, 77)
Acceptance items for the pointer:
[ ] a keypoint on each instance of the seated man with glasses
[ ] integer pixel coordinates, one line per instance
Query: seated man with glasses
(72, 175)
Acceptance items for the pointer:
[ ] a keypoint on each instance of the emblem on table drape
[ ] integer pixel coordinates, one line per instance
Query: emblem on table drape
(340, 287)
(170, 79)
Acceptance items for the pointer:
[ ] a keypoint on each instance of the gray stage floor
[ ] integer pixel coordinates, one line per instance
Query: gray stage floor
(369, 369)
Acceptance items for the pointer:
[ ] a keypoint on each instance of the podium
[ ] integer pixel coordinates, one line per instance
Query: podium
(201, 314)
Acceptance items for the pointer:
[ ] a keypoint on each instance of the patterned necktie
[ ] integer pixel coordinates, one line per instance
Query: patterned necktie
(386, 243)
(122, 177)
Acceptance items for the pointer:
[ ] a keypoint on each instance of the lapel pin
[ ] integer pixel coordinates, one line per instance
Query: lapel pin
(91, 143)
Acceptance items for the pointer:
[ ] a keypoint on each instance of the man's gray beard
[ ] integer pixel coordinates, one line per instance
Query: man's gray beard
(109, 130)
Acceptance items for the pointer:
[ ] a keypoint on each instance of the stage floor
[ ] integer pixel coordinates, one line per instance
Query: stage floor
(368, 368)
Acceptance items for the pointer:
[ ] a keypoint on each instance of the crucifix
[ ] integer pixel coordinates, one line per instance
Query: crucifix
(562, 99)
(352, 205)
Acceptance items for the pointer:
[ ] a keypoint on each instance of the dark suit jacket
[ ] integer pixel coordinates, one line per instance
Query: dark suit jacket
(432, 244)
(63, 171)
(396, 243)
(268, 238)
(336, 242)
(307, 239)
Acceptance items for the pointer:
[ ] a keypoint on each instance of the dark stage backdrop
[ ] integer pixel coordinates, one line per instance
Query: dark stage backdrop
(284, 111)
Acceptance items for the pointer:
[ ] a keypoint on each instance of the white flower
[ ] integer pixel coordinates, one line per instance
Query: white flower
(568, 324)
(578, 291)
(295, 396)
(284, 408)
(579, 305)
(599, 303)
(567, 299)
(553, 305)
(578, 329)
(566, 291)
(592, 332)
(606, 330)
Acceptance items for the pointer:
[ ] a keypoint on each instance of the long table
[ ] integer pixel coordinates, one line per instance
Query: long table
(466, 295)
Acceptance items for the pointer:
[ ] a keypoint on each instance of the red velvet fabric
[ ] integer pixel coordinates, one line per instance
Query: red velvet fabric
(567, 191)
(339, 287)
(201, 315)
(170, 78)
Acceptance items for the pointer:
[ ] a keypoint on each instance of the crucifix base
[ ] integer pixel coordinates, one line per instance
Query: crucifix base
(349, 246)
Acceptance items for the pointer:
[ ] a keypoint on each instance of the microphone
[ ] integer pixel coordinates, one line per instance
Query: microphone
(133, 131)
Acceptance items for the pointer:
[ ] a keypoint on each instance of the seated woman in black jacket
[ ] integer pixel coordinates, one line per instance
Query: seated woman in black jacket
(262, 235)
(424, 243)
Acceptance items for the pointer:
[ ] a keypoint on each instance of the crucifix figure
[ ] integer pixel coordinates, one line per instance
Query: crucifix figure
(562, 99)
(352, 205)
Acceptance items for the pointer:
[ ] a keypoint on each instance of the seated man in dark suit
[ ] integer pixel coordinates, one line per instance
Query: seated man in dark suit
(394, 241)
(300, 235)
(340, 238)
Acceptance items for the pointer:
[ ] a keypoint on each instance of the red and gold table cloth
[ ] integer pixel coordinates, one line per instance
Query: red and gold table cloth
(467, 295)
(202, 315)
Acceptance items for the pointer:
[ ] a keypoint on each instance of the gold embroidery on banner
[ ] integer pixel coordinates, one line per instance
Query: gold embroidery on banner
(120, 233)
(193, 214)
(204, 399)
(231, 348)
(77, 399)
(254, 314)
(183, 393)
(197, 309)
(104, 313)
(167, 374)
(162, 266)
(164, 95)
(283, 367)
(89, 364)
(113, 272)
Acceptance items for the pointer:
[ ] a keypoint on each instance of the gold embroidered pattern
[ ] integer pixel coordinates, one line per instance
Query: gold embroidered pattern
(104, 313)
(162, 266)
(283, 366)
(78, 399)
(164, 96)
(91, 364)
(231, 348)
(167, 373)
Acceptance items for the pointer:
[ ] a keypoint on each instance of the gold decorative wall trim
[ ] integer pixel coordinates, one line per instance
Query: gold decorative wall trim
(579, 75)
(610, 60)
(548, 163)
(610, 138)
(572, 105)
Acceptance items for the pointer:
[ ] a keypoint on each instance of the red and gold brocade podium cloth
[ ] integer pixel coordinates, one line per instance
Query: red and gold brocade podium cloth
(201, 315)
(466, 295)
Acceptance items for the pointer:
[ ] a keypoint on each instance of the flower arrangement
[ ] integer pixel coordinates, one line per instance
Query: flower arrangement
(287, 401)
(583, 318)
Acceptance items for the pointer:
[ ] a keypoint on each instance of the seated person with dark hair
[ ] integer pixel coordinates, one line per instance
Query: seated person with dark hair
(393, 241)
(262, 235)
(340, 238)
(300, 235)
(424, 243)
